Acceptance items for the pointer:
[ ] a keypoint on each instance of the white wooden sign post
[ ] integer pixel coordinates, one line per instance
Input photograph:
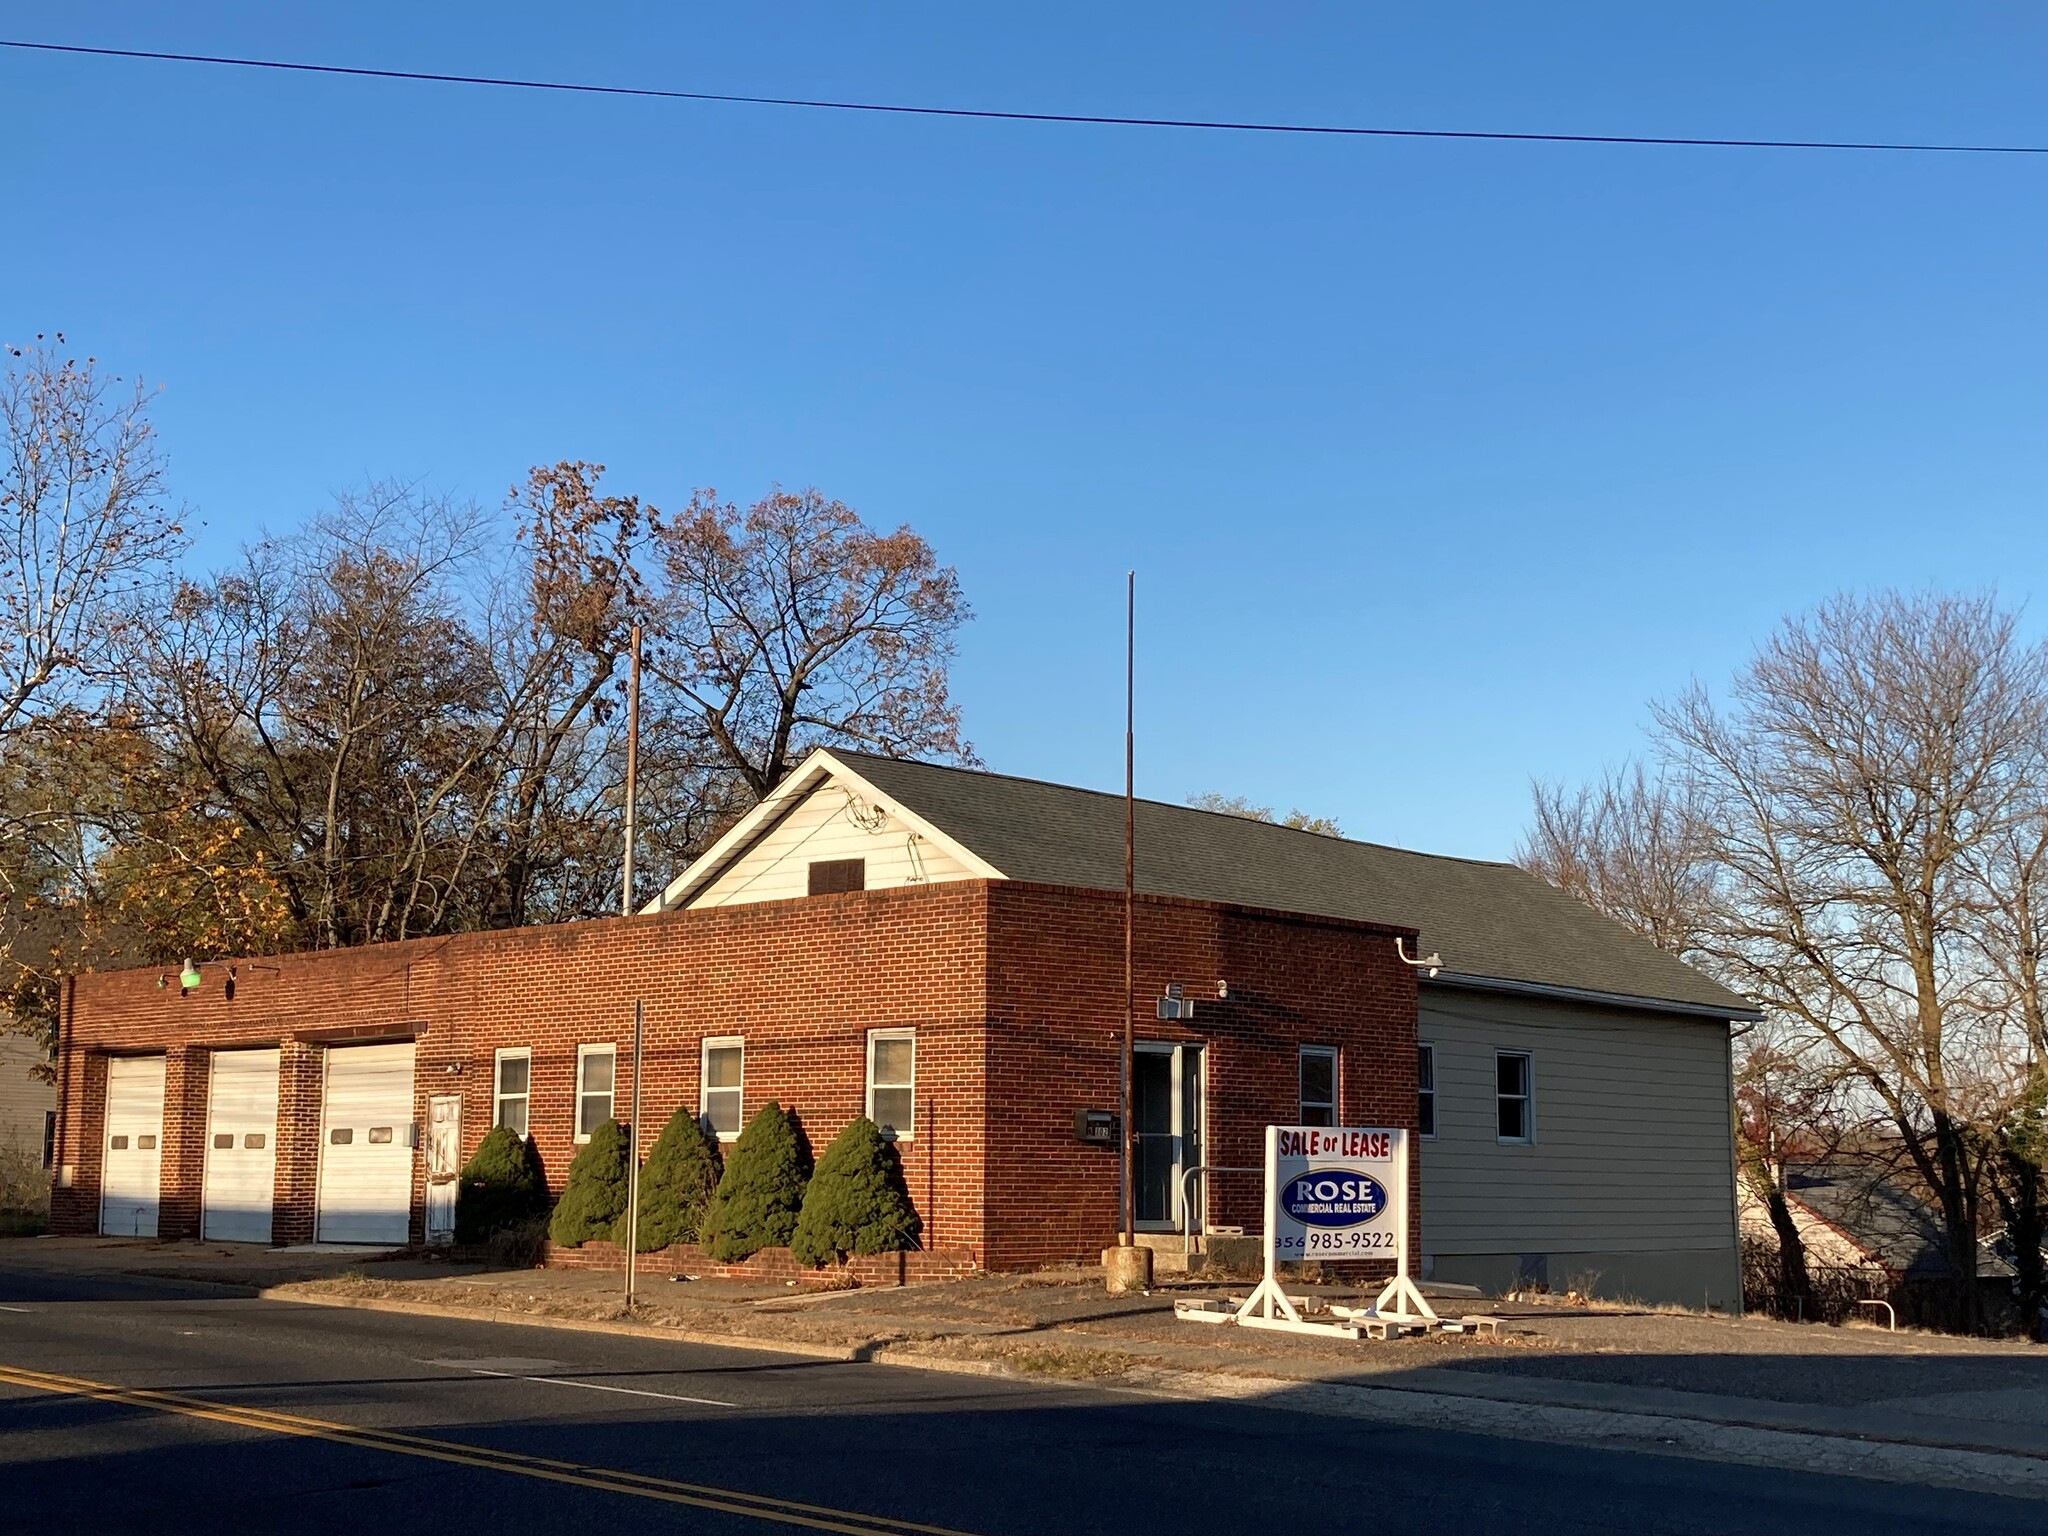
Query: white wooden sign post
(1332, 1193)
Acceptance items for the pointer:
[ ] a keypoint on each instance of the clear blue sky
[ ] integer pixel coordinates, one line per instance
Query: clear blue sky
(1436, 460)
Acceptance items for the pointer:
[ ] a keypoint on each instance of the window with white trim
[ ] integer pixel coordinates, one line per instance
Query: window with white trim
(892, 1081)
(723, 1092)
(1425, 1089)
(596, 1073)
(1514, 1077)
(512, 1086)
(1318, 1085)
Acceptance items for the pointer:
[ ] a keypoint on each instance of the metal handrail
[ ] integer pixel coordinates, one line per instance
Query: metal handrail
(1890, 1311)
(1187, 1201)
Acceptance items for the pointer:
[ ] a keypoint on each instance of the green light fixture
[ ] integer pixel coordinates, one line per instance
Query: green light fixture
(189, 977)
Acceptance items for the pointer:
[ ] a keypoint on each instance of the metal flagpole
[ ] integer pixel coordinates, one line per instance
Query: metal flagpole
(632, 773)
(1129, 1201)
(633, 1164)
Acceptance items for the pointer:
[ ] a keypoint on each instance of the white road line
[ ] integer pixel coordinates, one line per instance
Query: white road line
(592, 1386)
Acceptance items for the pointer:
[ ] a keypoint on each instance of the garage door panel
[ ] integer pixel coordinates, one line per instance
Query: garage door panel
(132, 1156)
(366, 1150)
(241, 1146)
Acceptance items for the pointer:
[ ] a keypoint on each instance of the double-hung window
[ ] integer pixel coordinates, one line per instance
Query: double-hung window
(1425, 1090)
(724, 1085)
(892, 1081)
(1318, 1085)
(596, 1072)
(512, 1087)
(1514, 1095)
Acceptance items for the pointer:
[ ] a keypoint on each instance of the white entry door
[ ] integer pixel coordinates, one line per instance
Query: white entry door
(133, 1155)
(444, 1165)
(241, 1147)
(366, 1145)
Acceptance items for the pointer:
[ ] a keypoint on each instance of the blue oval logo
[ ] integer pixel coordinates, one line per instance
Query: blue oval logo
(1333, 1197)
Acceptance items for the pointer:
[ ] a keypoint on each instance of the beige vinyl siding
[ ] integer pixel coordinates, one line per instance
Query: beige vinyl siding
(823, 826)
(1631, 1150)
(23, 1100)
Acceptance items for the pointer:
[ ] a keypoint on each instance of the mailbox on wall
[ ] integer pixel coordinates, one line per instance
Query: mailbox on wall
(1096, 1127)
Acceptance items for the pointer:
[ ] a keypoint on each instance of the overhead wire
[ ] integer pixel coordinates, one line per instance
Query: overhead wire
(991, 114)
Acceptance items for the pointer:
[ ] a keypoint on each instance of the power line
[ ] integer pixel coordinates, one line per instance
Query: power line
(991, 115)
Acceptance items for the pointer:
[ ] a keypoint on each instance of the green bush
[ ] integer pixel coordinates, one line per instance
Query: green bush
(595, 1198)
(761, 1190)
(857, 1202)
(677, 1184)
(501, 1186)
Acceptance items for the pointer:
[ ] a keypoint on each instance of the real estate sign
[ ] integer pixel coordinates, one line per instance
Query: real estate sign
(1338, 1192)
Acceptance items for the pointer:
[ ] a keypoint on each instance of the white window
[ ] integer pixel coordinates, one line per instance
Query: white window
(596, 1069)
(1513, 1080)
(892, 1081)
(1318, 1085)
(1425, 1090)
(724, 1079)
(513, 1086)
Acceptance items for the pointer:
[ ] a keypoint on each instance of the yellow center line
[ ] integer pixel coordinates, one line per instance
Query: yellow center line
(729, 1501)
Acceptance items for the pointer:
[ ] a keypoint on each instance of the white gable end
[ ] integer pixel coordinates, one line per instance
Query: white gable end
(822, 812)
(831, 823)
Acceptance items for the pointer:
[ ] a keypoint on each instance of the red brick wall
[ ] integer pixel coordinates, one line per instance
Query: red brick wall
(1016, 993)
(803, 981)
(1056, 1007)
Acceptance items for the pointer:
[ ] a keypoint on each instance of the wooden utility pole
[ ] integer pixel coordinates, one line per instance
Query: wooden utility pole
(1130, 1225)
(626, 909)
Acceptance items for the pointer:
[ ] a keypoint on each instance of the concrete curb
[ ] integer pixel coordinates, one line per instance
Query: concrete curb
(1805, 1450)
(842, 1352)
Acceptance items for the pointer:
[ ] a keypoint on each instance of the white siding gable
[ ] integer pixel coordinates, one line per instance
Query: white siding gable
(832, 821)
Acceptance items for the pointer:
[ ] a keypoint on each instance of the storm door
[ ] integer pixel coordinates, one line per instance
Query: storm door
(1166, 1112)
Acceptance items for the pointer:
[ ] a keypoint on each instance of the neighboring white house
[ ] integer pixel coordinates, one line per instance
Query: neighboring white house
(1575, 1080)
(28, 1105)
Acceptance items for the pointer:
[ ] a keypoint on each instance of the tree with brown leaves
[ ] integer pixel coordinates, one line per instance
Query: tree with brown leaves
(793, 624)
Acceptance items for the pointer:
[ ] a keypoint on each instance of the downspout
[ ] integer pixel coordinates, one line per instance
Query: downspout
(1734, 1168)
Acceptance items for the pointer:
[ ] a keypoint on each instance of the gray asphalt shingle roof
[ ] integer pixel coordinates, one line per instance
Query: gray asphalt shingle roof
(1486, 919)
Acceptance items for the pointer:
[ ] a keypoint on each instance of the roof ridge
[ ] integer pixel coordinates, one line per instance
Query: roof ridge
(1168, 805)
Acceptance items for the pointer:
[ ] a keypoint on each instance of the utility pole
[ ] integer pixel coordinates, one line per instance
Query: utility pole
(632, 785)
(1129, 1201)
(626, 910)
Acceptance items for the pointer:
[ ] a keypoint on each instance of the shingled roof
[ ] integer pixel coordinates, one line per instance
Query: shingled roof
(1489, 921)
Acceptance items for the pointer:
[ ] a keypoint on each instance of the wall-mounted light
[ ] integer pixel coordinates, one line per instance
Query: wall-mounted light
(1430, 963)
(188, 978)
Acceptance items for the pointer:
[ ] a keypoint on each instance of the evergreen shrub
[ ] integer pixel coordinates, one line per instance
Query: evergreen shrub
(761, 1190)
(857, 1201)
(677, 1184)
(501, 1186)
(595, 1198)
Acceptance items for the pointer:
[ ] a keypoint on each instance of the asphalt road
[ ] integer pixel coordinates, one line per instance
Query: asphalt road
(137, 1407)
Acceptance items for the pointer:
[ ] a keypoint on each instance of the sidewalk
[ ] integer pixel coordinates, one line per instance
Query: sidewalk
(1859, 1401)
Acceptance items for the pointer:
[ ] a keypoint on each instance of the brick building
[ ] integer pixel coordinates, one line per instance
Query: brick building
(1009, 995)
(943, 950)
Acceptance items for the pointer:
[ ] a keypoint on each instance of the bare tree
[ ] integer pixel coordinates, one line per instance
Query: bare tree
(1239, 805)
(82, 527)
(1631, 846)
(1872, 755)
(793, 624)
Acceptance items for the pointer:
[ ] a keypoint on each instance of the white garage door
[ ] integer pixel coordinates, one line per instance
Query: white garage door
(241, 1146)
(366, 1145)
(133, 1154)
